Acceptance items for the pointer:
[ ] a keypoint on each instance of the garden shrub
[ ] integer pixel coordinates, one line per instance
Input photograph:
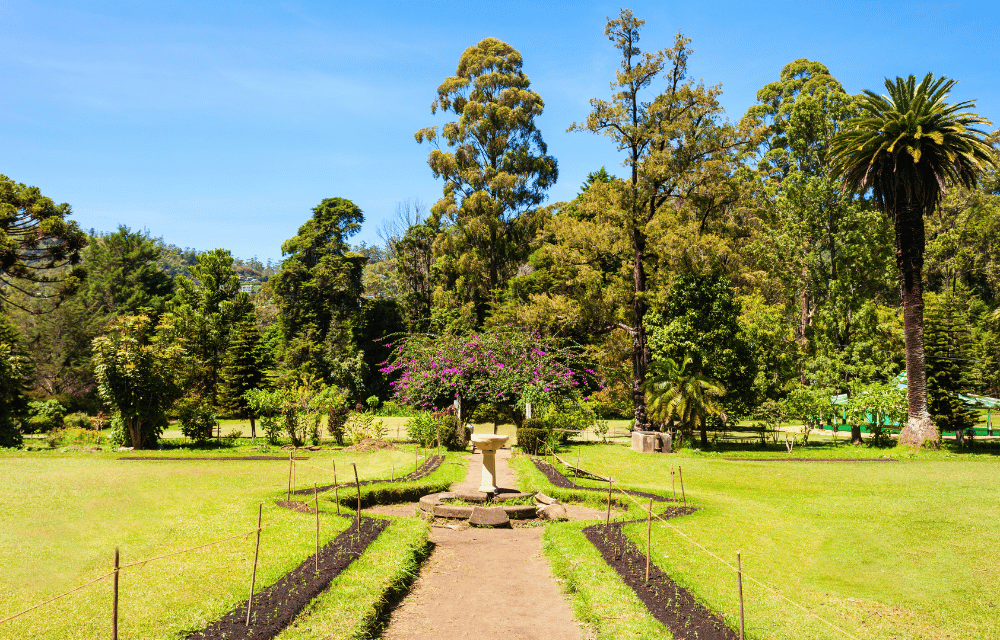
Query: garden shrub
(438, 428)
(532, 440)
(44, 416)
(451, 434)
(78, 420)
(196, 420)
(39, 424)
(421, 428)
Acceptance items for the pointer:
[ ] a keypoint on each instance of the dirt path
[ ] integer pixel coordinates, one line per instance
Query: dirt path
(485, 583)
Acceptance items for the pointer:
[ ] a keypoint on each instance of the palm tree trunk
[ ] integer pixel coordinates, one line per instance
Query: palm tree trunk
(704, 433)
(909, 228)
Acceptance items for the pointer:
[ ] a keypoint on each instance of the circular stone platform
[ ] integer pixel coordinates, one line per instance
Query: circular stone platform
(434, 504)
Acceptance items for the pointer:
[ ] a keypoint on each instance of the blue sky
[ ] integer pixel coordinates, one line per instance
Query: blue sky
(222, 125)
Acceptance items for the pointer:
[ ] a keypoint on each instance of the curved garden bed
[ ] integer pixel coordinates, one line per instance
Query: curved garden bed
(276, 606)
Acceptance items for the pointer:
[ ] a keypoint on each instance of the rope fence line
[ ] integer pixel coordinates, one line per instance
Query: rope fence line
(172, 553)
(136, 564)
(61, 595)
(730, 566)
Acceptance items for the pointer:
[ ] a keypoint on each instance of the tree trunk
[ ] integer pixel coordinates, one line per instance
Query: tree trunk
(134, 426)
(640, 348)
(704, 433)
(253, 427)
(909, 228)
(856, 434)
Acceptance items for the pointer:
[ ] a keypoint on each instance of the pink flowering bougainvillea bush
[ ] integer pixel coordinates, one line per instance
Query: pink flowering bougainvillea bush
(502, 366)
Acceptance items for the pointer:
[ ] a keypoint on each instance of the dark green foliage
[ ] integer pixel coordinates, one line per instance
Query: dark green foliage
(37, 241)
(318, 290)
(947, 354)
(244, 368)
(44, 416)
(78, 420)
(13, 403)
(123, 277)
(373, 328)
(205, 309)
(496, 170)
(700, 320)
(196, 419)
(532, 440)
(451, 433)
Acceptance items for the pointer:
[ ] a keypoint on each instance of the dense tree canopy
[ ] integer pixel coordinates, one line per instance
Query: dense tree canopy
(495, 169)
(773, 267)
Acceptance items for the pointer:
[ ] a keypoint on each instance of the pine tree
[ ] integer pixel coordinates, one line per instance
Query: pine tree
(946, 348)
(244, 368)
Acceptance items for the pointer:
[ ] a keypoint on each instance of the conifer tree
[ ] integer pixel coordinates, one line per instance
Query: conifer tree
(946, 351)
(245, 368)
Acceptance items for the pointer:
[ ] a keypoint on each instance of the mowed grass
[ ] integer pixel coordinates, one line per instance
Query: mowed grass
(890, 550)
(64, 513)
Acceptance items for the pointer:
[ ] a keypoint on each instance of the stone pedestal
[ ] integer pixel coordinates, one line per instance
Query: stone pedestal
(488, 444)
(650, 442)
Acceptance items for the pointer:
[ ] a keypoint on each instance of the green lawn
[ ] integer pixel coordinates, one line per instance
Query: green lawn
(64, 513)
(883, 550)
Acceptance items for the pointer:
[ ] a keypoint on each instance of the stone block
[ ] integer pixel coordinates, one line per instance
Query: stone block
(644, 441)
(489, 517)
(453, 511)
(552, 512)
(520, 511)
(544, 499)
(665, 443)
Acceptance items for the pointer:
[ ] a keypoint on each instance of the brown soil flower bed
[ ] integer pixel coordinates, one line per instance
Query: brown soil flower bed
(563, 482)
(371, 444)
(669, 603)
(428, 467)
(175, 458)
(811, 459)
(275, 607)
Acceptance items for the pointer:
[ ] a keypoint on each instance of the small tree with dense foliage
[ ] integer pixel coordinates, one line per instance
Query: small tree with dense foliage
(506, 367)
(136, 371)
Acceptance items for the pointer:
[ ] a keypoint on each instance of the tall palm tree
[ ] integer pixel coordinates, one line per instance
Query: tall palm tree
(675, 393)
(906, 148)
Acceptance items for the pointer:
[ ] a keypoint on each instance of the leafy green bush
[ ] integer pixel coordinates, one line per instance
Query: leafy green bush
(196, 420)
(39, 424)
(420, 428)
(44, 416)
(78, 420)
(451, 434)
(561, 418)
(438, 428)
(532, 441)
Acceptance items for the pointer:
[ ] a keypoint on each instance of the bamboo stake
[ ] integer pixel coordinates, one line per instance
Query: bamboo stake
(114, 602)
(336, 489)
(608, 520)
(681, 476)
(358, 485)
(288, 496)
(649, 536)
(316, 504)
(739, 585)
(253, 574)
(577, 472)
